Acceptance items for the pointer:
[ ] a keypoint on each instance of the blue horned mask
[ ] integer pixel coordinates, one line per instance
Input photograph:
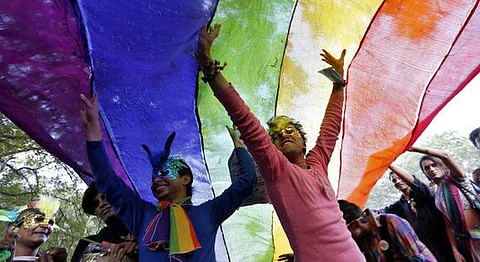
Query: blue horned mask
(164, 166)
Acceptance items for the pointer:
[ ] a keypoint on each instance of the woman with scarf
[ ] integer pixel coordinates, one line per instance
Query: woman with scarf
(456, 199)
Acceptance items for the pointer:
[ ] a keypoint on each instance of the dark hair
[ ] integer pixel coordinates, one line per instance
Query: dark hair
(437, 161)
(474, 135)
(350, 211)
(476, 175)
(390, 174)
(273, 125)
(187, 171)
(88, 200)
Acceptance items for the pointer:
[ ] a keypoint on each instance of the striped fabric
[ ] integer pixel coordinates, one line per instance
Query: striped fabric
(183, 239)
(172, 229)
(404, 243)
(474, 233)
(147, 78)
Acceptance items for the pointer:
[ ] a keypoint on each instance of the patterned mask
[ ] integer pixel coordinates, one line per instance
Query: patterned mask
(170, 168)
(37, 218)
(41, 212)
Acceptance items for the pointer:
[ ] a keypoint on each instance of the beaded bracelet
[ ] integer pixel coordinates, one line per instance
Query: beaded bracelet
(211, 70)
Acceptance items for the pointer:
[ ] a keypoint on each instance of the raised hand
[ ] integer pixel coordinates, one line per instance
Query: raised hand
(119, 252)
(89, 115)
(131, 247)
(205, 42)
(7, 246)
(233, 131)
(90, 118)
(337, 64)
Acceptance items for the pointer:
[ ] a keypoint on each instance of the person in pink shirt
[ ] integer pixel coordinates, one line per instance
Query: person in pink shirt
(298, 185)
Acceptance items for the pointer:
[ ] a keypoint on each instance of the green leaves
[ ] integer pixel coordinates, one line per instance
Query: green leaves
(455, 144)
(27, 170)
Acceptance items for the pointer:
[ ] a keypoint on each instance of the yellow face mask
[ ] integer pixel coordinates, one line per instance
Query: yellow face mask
(290, 130)
(35, 219)
(41, 212)
(282, 125)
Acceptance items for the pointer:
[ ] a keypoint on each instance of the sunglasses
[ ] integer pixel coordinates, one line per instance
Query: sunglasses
(353, 224)
(289, 130)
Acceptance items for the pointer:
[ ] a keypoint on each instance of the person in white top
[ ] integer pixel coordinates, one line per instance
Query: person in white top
(30, 227)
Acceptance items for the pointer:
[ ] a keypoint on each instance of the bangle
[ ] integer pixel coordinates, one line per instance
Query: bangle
(211, 70)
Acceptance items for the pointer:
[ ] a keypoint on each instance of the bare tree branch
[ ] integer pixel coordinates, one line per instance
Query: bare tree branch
(15, 171)
(14, 152)
(4, 137)
(37, 168)
(3, 163)
(75, 206)
(18, 194)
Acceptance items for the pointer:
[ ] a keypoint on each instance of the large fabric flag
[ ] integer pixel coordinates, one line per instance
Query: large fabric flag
(139, 56)
(413, 59)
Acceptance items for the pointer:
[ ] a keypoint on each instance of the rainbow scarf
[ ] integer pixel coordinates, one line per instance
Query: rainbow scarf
(474, 233)
(171, 229)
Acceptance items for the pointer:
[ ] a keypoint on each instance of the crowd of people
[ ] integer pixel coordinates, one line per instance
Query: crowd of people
(439, 223)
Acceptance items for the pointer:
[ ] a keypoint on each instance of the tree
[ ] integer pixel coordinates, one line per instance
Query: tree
(457, 146)
(27, 170)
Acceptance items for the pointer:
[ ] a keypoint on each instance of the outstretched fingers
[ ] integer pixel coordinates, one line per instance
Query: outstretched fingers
(215, 31)
(330, 59)
(326, 56)
(85, 100)
(337, 64)
(90, 112)
(231, 131)
(89, 102)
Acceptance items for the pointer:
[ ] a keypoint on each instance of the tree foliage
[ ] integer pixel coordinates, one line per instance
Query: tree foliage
(455, 144)
(27, 170)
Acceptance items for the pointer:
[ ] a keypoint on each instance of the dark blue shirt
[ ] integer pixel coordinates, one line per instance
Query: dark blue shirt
(136, 213)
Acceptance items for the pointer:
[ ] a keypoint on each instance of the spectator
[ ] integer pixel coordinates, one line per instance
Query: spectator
(417, 206)
(475, 137)
(29, 228)
(115, 231)
(456, 199)
(383, 238)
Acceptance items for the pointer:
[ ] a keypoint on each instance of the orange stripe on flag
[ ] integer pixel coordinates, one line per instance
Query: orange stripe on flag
(402, 51)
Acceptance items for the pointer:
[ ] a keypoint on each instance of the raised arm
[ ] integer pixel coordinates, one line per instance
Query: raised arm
(252, 132)
(210, 69)
(455, 169)
(231, 199)
(330, 127)
(402, 174)
(234, 134)
(127, 205)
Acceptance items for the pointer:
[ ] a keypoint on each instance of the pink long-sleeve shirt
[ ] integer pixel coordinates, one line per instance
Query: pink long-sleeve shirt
(303, 199)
